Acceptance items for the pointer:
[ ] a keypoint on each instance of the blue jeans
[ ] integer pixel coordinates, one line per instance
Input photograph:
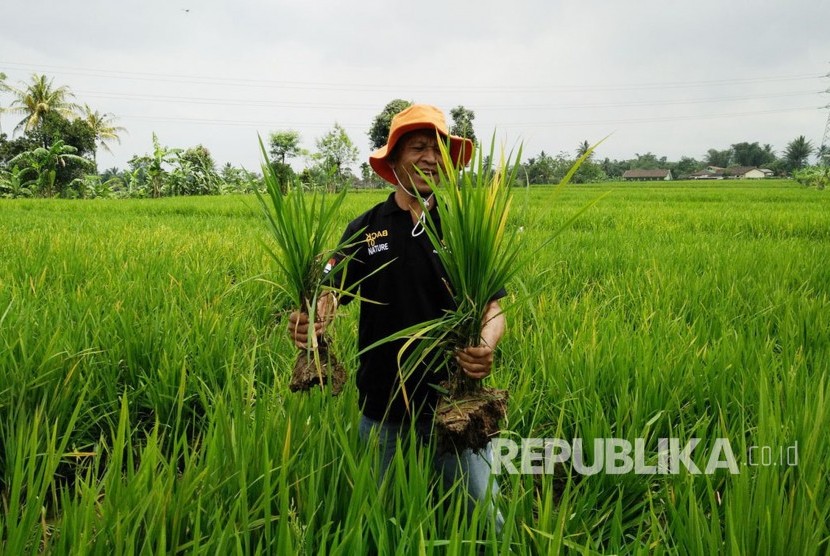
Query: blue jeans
(473, 468)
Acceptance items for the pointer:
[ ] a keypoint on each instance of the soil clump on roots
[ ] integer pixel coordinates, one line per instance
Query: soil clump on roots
(469, 418)
(307, 373)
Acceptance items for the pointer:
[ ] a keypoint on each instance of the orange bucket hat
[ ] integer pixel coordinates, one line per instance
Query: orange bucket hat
(418, 116)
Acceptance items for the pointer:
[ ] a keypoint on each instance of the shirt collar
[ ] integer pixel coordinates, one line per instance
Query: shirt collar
(391, 207)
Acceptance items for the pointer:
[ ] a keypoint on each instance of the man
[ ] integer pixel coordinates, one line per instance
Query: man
(402, 283)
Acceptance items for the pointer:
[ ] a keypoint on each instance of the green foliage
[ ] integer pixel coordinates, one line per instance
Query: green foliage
(336, 152)
(648, 161)
(50, 116)
(45, 163)
(102, 127)
(284, 144)
(174, 172)
(195, 173)
(614, 169)
(368, 176)
(589, 172)
(319, 176)
(150, 171)
(583, 148)
(74, 137)
(75, 132)
(238, 180)
(15, 183)
(752, 154)
(9, 148)
(720, 159)
(284, 173)
(684, 167)
(545, 169)
(379, 130)
(797, 153)
(37, 99)
(462, 122)
(813, 176)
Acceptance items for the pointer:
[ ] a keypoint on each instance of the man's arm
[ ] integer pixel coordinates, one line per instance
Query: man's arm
(477, 361)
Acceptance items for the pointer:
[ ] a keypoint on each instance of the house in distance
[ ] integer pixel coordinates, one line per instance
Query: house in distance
(639, 174)
(734, 172)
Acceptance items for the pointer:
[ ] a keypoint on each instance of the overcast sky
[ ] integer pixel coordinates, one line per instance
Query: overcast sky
(674, 78)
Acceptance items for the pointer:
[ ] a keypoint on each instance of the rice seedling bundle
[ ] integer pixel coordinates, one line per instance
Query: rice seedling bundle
(480, 254)
(302, 225)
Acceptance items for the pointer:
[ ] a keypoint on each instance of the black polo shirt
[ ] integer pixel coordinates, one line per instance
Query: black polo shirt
(411, 289)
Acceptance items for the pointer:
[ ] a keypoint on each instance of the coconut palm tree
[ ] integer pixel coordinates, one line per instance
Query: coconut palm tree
(103, 128)
(37, 99)
(797, 152)
(584, 147)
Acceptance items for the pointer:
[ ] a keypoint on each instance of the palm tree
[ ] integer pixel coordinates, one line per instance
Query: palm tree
(39, 98)
(797, 152)
(583, 148)
(103, 128)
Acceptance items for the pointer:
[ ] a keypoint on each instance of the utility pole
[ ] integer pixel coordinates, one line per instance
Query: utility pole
(823, 154)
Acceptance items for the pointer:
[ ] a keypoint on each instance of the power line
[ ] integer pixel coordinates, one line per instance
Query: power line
(261, 124)
(363, 87)
(658, 119)
(320, 106)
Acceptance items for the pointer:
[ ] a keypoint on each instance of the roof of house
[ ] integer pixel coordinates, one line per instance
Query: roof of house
(640, 173)
(738, 170)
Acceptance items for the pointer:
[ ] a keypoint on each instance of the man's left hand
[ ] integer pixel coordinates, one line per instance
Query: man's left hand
(476, 361)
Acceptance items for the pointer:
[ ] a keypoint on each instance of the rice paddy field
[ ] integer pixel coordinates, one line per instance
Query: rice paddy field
(144, 364)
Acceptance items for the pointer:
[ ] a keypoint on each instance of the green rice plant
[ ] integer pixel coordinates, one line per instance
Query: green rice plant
(302, 226)
(144, 409)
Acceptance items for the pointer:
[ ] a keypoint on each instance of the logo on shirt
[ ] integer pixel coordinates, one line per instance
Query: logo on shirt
(373, 245)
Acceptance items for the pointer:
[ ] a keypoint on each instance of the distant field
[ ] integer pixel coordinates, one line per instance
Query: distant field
(144, 368)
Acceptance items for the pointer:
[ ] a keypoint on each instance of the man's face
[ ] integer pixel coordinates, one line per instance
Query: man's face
(417, 149)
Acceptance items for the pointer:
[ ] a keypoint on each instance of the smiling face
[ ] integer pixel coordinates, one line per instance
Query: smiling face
(417, 149)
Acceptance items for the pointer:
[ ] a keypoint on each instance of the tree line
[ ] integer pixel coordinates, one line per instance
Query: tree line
(53, 152)
(547, 168)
